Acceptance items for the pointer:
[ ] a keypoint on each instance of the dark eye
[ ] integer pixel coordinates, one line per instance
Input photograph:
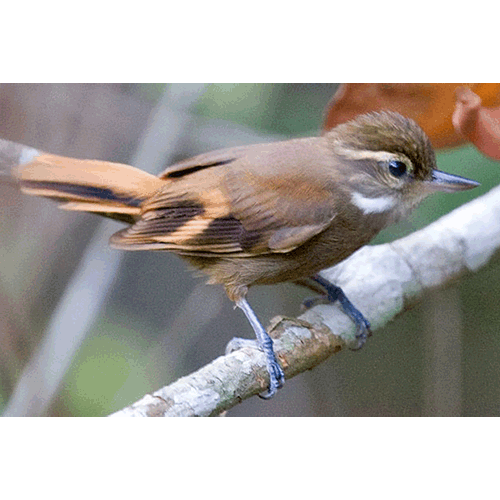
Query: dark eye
(397, 168)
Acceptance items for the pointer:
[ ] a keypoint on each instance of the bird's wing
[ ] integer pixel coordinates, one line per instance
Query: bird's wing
(239, 202)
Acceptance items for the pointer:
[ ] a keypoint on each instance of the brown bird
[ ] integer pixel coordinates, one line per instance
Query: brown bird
(260, 214)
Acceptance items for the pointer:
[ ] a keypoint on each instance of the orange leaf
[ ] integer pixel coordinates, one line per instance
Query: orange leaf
(477, 124)
(429, 104)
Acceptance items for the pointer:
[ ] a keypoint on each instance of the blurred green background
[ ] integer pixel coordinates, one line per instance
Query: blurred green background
(157, 322)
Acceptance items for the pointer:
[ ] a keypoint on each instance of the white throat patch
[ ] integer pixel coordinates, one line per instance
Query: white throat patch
(373, 205)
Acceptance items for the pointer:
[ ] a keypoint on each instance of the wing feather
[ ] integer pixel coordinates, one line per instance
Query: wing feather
(239, 202)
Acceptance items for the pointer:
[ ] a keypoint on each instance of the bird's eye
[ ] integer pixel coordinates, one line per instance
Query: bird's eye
(397, 168)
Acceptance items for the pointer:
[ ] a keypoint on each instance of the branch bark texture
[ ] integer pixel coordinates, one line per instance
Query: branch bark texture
(382, 281)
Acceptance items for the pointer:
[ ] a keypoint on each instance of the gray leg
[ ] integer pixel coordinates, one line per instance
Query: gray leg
(276, 374)
(335, 293)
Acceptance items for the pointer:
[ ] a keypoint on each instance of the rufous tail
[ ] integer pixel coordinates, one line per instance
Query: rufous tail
(110, 189)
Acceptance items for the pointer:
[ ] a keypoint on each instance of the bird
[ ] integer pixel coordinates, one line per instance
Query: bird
(259, 214)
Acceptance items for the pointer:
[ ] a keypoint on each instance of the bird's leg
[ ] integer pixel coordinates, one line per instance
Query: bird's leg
(265, 343)
(334, 293)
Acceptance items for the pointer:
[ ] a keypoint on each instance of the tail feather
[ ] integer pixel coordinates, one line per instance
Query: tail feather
(110, 189)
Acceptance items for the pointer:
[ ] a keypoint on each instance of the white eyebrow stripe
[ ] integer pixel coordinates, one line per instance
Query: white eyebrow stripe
(373, 205)
(356, 154)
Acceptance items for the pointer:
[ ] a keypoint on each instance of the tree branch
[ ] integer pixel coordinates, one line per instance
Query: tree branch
(382, 281)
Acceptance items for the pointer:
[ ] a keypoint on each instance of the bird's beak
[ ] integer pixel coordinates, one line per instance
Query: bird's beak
(449, 183)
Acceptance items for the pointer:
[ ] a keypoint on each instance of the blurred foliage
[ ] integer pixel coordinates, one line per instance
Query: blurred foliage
(294, 109)
(129, 353)
(113, 364)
